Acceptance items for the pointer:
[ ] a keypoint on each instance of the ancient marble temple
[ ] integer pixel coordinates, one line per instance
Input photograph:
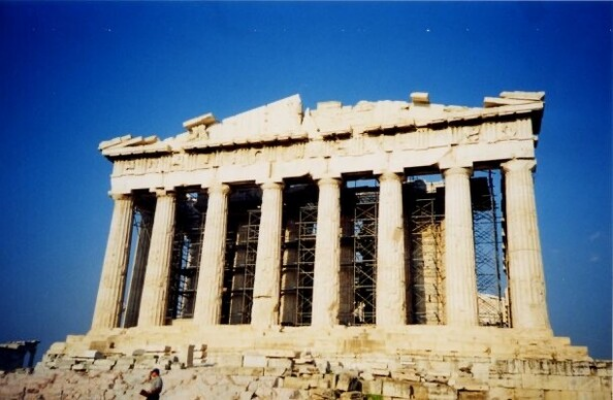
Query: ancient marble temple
(392, 242)
(292, 217)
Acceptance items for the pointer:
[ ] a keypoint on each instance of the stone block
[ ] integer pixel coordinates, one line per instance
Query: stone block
(264, 392)
(560, 395)
(499, 393)
(248, 395)
(91, 354)
(374, 387)
(323, 366)
(529, 394)
(322, 394)
(285, 393)
(254, 361)
(407, 390)
(186, 355)
(241, 380)
(105, 362)
(468, 395)
(157, 348)
(307, 369)
(292, 382)
(279, 353)
(351, 396)
(225, 359)
(279, 363)
(469, 384)
(274, 371)
(65, 363)
(380, 372)
(269, 381)
(405, 376)
(79, 367)
(247, 371)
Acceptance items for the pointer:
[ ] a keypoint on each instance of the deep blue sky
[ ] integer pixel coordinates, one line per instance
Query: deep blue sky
(74, 74)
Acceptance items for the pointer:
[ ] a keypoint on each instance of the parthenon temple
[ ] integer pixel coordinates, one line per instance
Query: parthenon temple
(384, 232)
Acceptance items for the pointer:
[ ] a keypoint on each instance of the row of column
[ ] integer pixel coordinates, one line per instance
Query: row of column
(525, 269)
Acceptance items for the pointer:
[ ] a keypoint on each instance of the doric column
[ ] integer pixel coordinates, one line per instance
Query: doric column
(207, 310)
(138, 273)
(114, 268)
(326, 286)
(460, 276)
(525, 262)
(267, 283)
(154, 299)
(391, 272)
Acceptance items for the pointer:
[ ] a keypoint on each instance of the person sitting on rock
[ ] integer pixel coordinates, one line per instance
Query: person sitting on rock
(155, 386)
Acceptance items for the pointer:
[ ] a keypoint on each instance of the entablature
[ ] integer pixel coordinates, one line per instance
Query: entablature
(329, 139)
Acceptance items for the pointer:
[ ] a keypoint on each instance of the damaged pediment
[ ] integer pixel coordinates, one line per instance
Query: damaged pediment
(126, 145)
(284, 121)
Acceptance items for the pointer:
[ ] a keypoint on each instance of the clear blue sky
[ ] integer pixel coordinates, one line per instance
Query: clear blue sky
(74, 74)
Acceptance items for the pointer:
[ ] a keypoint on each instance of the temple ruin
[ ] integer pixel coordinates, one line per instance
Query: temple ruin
(391, 236)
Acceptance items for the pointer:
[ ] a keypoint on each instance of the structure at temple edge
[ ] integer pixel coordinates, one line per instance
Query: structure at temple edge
(391, 248)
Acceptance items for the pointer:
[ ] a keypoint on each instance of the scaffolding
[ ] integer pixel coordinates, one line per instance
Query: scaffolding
(241, 250)
(186, 251)
(298, 268)
(426, 267)
(363, 259)
(243, 271)
(488, 258)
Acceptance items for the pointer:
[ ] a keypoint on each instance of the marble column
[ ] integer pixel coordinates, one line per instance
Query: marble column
(207, 310)
(326, 286)
(138, 273)
(115, 266)
(154, 301)
(391, 307)
(460, 275)
(525, 262)
(266, 288)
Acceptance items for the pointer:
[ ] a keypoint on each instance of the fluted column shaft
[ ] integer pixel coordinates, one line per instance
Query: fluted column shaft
(210, 278)
(154, 300)
(326, 286)
(266, 288)
(140, 266)
(525, 262)
(460, 276)
(114, 268)
(391, 307)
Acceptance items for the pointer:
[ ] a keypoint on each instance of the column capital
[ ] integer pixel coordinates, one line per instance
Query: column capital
(120, 196)
(390, 176)
(161, 192)
(328, 181)
(219, 188)
(272, 185)
(466, 171)
(519, 165)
